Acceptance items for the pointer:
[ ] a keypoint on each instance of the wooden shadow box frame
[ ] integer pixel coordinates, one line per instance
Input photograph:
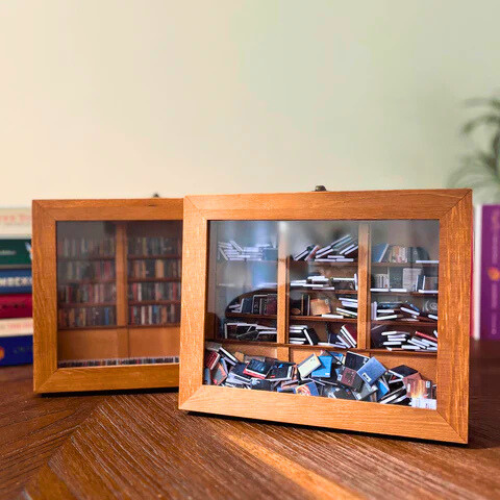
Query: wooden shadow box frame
(48, 378)
(453, 210)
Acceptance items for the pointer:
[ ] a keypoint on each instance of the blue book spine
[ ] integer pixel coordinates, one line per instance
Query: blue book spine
(16, 350)
(15, 281)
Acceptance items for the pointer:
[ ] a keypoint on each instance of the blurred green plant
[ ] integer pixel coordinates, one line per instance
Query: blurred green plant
(480, 170)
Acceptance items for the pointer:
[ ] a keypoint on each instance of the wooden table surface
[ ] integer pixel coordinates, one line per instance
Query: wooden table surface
(140, 446)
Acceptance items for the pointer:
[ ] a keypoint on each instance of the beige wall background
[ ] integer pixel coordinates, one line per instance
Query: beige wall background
(113, 98)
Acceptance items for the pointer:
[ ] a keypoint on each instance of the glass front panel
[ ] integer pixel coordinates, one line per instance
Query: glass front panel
(404, 285)
(119, 291)
(338, 309)
(154, 273)
(86, 274)
(322, 262)
(242, 298)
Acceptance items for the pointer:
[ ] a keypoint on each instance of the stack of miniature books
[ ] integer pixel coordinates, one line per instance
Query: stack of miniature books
(344, 249)
(349, 376)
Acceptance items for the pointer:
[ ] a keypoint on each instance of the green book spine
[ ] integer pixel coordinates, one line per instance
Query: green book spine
(15, 252)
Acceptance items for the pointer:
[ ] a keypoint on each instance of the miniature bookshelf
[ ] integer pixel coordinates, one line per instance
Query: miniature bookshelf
(119, 292)
(116, 268)
(350, 278)
(269, 281)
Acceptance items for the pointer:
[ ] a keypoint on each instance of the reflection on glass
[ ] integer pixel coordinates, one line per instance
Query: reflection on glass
(86, 274)
(323, 282)
(242, 302)
(119, 292)
(404, 285)
(154, 273)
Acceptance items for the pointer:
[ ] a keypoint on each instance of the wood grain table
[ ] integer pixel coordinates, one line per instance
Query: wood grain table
(140, 446)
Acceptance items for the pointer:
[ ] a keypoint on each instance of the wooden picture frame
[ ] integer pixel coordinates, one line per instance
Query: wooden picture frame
(118, 340)
(453, 210)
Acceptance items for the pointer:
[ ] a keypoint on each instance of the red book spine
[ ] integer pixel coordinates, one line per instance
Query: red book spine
(425, 336)
(16, 306)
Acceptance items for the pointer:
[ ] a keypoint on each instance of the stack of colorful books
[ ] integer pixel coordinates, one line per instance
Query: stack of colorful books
(16, 309)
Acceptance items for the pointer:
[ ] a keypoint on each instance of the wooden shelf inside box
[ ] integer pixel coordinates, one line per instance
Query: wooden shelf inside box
(152, 302)
(411, 294)
(401, 264)
(377, 351)
(405, 323)
(304, 289)
(331, 264)
(96, 327)
(356, 349)
(324, 348)
(250, 316)
(247, 343)
(292, 318)
(83, 259)
(84, 281)
(118, 342)
(86, 304)
(321, 319)
(273, 262)
(153, 280)
(159, 256)
(162, 325)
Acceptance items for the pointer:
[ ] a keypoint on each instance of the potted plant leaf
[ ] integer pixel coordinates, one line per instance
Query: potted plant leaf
(480, 170)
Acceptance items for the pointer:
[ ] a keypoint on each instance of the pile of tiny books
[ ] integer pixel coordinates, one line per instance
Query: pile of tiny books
(397, 340)
(344, 249)
(349, 376)
(402, 311)
(232, 251)
(304, 334)
(249, 331)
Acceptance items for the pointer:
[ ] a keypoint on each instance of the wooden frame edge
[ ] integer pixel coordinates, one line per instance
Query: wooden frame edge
(195, 227)
(454, 329)
(47, 377)
(192, 392)
(346, 204)
(156, 376)
(436, 427)
(44, 353)
(90, 210)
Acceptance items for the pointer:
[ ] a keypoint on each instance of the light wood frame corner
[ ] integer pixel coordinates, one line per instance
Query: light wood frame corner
(453, 210)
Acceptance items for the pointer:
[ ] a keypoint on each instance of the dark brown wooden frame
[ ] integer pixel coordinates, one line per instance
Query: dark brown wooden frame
(47, 376)
(453, 209)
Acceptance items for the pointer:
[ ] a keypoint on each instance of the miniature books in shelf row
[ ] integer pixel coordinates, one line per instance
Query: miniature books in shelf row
(86, 304)
(343, 249)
